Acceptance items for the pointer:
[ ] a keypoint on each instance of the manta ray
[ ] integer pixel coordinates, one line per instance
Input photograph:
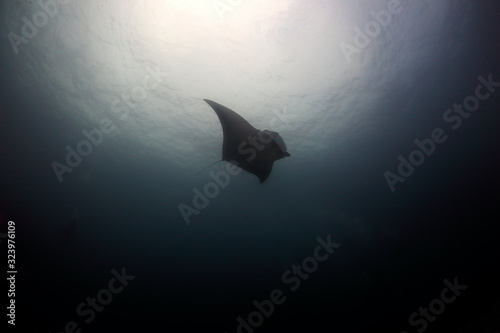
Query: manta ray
(245, 146)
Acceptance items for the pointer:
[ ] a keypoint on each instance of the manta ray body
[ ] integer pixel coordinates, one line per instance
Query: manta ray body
(243, 145)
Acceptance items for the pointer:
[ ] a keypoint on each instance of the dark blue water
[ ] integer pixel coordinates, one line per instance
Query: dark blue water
(390, 113)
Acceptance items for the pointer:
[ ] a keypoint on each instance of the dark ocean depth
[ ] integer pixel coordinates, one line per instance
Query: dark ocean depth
(384, 218)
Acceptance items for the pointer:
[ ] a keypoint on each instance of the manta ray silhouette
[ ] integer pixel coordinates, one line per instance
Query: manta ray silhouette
(245, 146)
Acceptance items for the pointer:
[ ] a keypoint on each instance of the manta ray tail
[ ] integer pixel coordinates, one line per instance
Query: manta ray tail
(207, 167)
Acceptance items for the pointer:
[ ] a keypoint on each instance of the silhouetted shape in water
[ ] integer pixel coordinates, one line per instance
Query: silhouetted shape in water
(243, 145)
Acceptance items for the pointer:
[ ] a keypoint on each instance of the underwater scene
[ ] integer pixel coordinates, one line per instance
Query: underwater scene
(250, 166)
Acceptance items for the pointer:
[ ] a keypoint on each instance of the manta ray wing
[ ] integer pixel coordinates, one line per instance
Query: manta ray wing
(247, 147)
